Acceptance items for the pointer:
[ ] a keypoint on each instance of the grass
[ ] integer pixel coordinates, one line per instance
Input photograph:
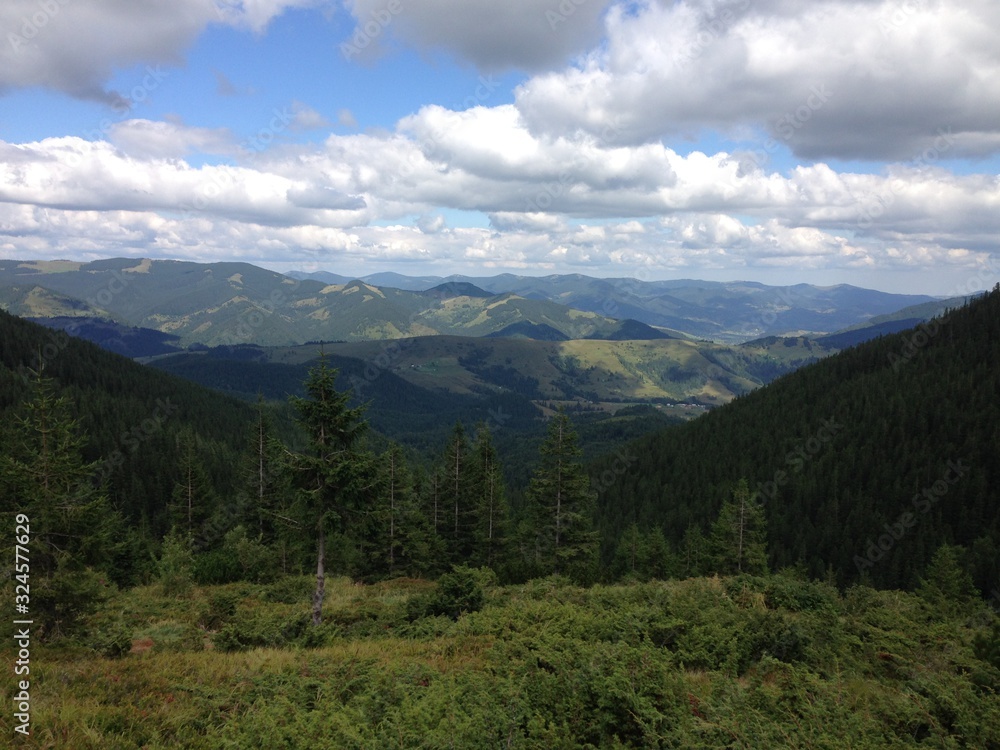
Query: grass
(713, 663)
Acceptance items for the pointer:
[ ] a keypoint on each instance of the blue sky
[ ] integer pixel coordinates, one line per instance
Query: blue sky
(838, 142)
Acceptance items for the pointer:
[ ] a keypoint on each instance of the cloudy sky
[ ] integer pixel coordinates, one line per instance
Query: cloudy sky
(828, 141)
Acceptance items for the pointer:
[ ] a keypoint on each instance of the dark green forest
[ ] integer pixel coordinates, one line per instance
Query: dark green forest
(838, 453)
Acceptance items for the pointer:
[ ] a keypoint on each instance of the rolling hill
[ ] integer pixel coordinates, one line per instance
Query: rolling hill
(663, 370)
(233, 303)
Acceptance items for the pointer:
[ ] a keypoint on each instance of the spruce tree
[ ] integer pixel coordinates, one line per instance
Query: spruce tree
(399, 537)
(456, 500)
(330, 472)
(74, 531)
(193, 499)
(694, 552)
(264, 506)
(947, 585)
(489, 496)
(738, 535)
(561, 505)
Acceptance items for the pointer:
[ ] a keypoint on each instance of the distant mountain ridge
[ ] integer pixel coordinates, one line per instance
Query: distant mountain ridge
(727, 311)
(232, 303)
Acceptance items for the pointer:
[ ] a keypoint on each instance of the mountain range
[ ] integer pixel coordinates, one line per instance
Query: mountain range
(724, 311)
(233, 303)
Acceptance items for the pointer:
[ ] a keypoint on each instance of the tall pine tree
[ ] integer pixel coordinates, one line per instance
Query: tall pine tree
(561, 505)
(489, 497)
(456, 499)
(74, 531)
(398, 534)
(738, 535)
(193, 499)
(330, 472)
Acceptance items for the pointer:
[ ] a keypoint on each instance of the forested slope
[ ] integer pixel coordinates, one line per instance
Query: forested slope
(840, 452)
(137, 421)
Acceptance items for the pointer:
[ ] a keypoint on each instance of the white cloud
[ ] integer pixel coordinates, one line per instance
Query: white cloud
(149, 139)
(305, 117)
(74, 46)
(72, 197)
(833, 78)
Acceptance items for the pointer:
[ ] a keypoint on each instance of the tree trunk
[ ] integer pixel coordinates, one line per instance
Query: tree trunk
(317, 614)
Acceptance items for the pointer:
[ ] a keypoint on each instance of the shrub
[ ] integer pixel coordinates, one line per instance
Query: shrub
(218, 610)
(457, 593)
(176, 565)
(112, 640)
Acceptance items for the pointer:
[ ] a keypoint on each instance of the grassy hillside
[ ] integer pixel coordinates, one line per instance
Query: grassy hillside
(32, 301)
(638, 371)
(707, 663)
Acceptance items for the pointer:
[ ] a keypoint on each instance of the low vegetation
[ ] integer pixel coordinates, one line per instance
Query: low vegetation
(731, 662)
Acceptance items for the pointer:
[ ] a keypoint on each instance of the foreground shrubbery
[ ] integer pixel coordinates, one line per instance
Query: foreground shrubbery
(742, 662)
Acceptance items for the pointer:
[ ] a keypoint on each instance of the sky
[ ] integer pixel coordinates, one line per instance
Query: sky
(830, 141)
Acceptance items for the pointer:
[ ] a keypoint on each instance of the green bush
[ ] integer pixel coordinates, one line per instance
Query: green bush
(112, 640)
(176, 565)
(62, 601)
(986, 645)
(255, 627)
(219, 609)
(457, 593)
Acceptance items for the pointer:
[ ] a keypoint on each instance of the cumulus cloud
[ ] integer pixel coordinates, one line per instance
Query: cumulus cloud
(834, 78)
(75, 47)
(317, 196)
(146, 138)
(703, 211)
(431, 224)
(517, 34)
